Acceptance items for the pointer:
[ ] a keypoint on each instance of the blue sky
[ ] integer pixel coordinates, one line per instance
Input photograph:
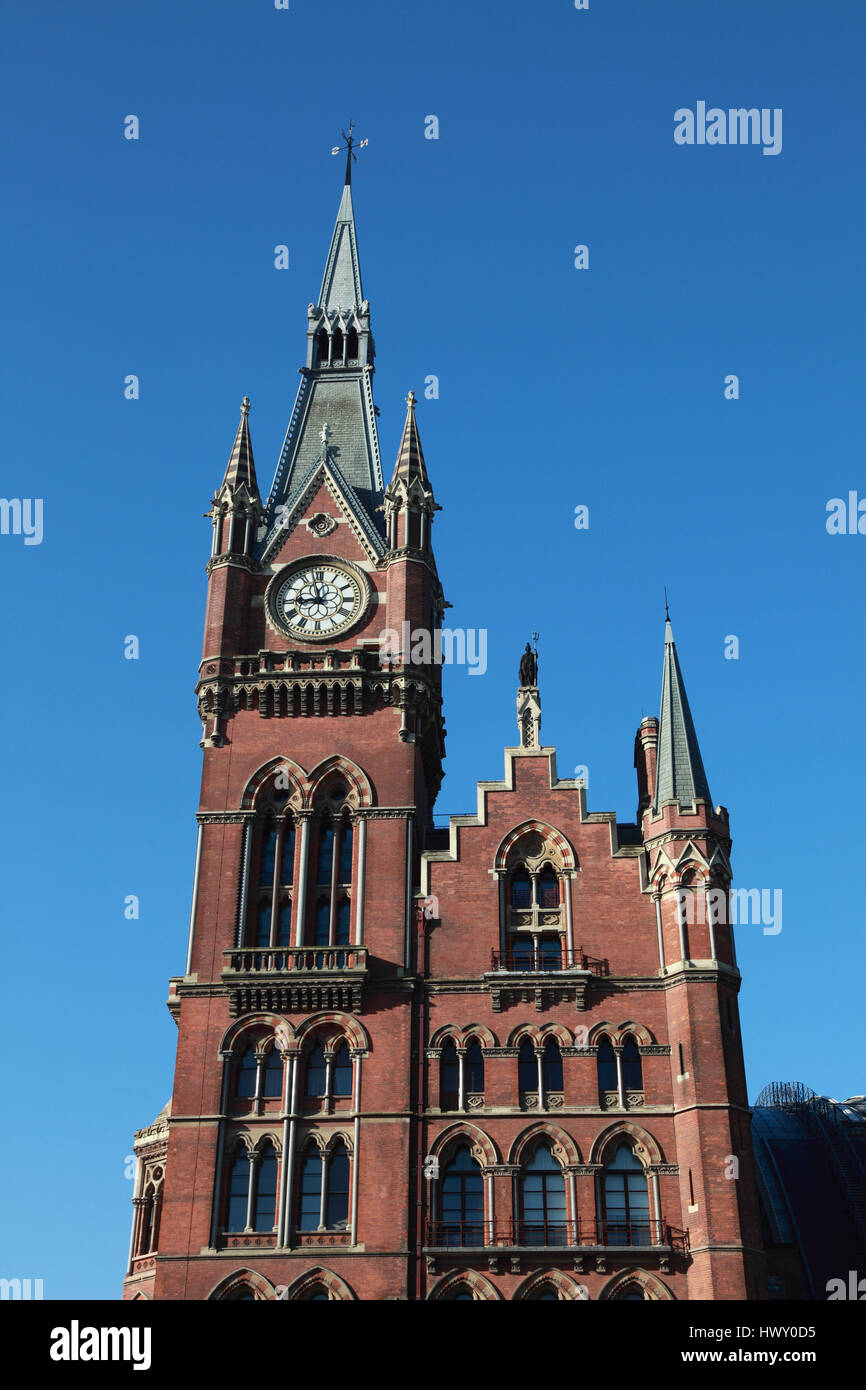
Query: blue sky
(558, 387)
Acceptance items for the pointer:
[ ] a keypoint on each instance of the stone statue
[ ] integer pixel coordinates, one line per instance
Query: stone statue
(528, 667)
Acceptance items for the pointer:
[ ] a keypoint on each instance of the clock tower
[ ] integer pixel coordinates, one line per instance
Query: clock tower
(323, 746)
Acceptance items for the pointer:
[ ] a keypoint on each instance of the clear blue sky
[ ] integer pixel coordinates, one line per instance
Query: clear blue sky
(558, 387)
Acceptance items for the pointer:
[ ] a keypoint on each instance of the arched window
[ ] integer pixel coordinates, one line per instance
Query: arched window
(625, 1200)
(474, 1068)
(322, 346)
(449, 1076)
(551, 1066)
(316, 1070)
(548, 887)
(337, 354)
(317, 1294)
(273, 1078)
(337, 1188)
(521, 888)
(310, 1190)
(527, 1068)
(462, 1200)
(245, 1073)
(632, 1072)
(606, 1064)
(332, 872)
(271, 907)
(542, 1191)
(323, 1197)
(543, 1293)
(352, 345)
(238, 1191)
(341, 1074)
(265, 1199)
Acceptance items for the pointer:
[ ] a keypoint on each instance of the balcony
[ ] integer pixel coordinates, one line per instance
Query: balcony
(589, 1236)
(542, 971)
(295, 979)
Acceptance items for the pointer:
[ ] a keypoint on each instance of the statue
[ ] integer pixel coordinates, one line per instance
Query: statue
(528, 667)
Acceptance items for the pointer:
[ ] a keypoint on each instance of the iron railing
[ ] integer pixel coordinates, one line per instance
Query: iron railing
(554, 1233)
(543, 960)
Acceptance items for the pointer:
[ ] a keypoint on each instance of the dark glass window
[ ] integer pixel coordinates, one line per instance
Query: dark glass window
(548, 887)
(462, 1200)
(245, 1083)
(326, 854)
(551, 1066)
(323, 923)
(521, 954)
(263, 925)
(550, 953)
(632, 1072)
(273, 1073)
(344, 919)
(543, 1200)
(473, 1067)
(310, 1195)
(284, 924)
(626, 1200)
(322, 341)
(352, 345)
(521, 889)
(337, 1196)
(239, 1184)
(448, 1075)
(341, 1075)
(315, 1080)
(265, 1207)
(269, 848)
(287, 857)
(606, 1062)
(337, 355)
(345, 866)
(527, 1070)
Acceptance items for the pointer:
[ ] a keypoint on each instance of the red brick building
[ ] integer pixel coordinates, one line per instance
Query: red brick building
(496, 1061)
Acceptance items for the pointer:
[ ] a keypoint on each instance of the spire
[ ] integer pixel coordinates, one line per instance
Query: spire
(241, 469)
(680, 774)
(410, 460)
(341, 282)
(335, 389)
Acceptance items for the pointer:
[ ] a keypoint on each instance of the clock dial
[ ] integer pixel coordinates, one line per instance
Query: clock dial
(318, 601)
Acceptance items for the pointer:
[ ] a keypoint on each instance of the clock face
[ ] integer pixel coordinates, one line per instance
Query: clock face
(318, 600)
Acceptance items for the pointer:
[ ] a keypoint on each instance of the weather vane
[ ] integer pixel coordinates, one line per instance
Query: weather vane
(349, 147)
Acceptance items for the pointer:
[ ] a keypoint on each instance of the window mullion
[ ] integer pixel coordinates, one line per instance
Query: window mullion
(323, 1196)
(336, 845)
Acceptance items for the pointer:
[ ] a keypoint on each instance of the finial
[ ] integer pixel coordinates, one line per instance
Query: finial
(410, 400)
(245, 406)
(667, 609)
(326, 433)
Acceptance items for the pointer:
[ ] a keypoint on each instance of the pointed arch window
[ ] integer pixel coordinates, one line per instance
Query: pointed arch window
(462, 1200)
(548, 887)
(341, 1073)
(449, 1076)
(316, 1072)
(265, 1194)
(474, 1068)
(606, 1065)
(521, 888)
(322, 347)
(329, 1073)
(246, 1073)
(273, 1074)
(332, 874)
(352, 345)
(551, 1066)
(527, 1067)
(238, 1191)
(323, 1198)
(632, 1070)
(272, 906)
(258, 1075)
(337, 352)
(542, 1197)
(625, 1199)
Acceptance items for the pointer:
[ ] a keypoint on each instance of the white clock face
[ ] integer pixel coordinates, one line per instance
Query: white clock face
(319, 601)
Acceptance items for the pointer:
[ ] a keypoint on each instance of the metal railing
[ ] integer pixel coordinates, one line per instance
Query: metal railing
(541, 960)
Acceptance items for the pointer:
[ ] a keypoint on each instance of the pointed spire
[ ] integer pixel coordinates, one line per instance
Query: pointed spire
(341, 282)
(241, 469)
(410, 460)
(680, 774)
